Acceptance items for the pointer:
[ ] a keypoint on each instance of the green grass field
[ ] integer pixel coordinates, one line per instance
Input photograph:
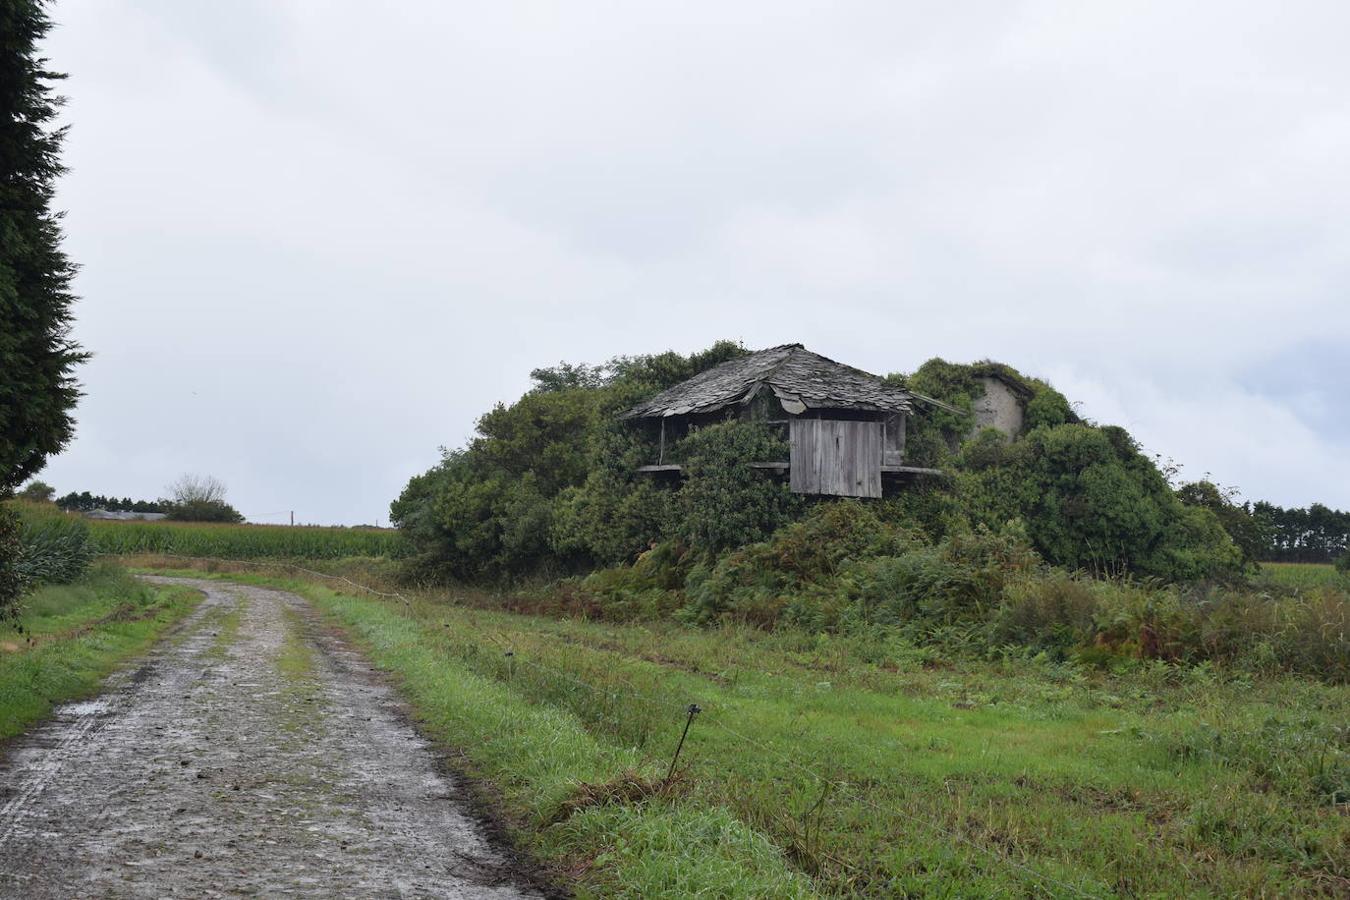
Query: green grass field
(1301, 575)
(842, 766)
(244, 541)
(72, 635)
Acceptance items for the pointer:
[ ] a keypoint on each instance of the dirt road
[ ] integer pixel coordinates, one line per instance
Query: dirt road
(253, 753)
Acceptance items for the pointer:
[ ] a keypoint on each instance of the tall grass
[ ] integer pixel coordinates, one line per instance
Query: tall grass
(244, 541)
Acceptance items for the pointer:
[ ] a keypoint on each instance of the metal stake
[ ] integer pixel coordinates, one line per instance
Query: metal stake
(693, 711)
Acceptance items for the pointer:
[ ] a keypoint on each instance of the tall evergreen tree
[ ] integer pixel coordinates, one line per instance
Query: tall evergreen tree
(37, 356)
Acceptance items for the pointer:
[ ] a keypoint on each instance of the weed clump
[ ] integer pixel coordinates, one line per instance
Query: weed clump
(627, 788)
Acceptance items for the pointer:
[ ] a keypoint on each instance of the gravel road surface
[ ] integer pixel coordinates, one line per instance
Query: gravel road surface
(251, 753)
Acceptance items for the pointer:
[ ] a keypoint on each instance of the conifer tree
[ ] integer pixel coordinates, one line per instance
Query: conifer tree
(37, 356)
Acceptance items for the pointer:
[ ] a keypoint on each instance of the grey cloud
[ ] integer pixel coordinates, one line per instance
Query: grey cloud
(318, 241)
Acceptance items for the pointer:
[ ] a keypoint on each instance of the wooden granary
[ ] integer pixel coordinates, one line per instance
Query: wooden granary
(845, 427)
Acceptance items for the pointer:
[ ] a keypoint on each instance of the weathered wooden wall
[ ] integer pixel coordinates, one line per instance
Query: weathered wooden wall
(893, 439)
(833, 456)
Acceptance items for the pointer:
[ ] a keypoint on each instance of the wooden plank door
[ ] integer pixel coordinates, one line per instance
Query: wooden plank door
(839, 457)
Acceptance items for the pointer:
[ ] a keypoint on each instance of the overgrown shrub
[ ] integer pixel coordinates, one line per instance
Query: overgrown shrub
(11, 573)
(843, 567)
(1343, 564)
(1092, 501)
(612, 518)
(961, 579)
(757, 582)
(1250, 534)
(1047, 408)
(548, 485)
(648, 589)
(724, 503)
(1046, 610)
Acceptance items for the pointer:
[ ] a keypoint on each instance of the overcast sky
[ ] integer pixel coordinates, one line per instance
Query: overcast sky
(319, 239)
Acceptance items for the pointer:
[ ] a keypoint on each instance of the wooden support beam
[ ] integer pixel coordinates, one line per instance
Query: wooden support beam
(910, 470)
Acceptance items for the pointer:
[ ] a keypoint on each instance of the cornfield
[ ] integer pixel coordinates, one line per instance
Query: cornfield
(244, 541)
(54, 548)
(1301, 575)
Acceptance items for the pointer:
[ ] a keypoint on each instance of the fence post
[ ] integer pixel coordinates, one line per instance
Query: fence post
(693, 711)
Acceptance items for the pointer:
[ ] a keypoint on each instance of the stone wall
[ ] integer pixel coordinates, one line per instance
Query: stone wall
(999, 408)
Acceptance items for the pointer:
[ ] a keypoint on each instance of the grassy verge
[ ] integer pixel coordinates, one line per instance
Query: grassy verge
(73, 635)
(827, 765)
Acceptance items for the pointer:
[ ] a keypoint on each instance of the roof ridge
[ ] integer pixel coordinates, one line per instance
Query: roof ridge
(791, 349)
(791, 368)
(833, 362)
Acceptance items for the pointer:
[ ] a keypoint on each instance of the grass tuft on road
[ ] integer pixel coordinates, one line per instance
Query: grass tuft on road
(70, 636)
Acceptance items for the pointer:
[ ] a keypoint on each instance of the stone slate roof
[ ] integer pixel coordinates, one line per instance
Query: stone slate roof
(793, 373)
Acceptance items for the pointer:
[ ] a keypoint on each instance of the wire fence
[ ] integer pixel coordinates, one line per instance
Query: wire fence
(831, 786)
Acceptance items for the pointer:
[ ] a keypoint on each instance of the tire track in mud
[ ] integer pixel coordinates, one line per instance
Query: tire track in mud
(252, 753)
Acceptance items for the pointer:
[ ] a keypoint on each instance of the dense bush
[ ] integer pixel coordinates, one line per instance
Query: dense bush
(1343, 563)
(1090, 499)
(548, 485)
(1047, 408)
(1250, 535)
(842, 566)
(11, 574)
(959, 580)
(724, 503)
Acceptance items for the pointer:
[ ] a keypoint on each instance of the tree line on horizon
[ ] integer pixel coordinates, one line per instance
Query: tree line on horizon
(1315, 534)
(87, 502)
(193, 498)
